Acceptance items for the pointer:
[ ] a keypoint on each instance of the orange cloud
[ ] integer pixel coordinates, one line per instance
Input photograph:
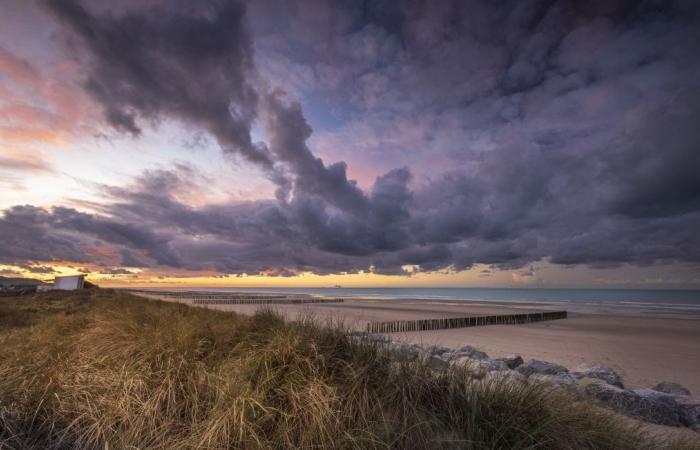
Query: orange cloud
(42, 105)
(25, 163)
(10, 135)
(17, 68)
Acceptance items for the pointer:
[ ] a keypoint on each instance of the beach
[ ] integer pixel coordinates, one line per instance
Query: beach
(644, 346)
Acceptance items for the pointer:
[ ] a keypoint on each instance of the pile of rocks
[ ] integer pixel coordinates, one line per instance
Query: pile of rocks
(666, 403)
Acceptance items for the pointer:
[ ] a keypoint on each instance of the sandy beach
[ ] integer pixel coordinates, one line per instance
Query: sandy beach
(645, 348)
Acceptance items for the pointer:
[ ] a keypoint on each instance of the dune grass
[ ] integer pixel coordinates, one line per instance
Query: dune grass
(104, 369)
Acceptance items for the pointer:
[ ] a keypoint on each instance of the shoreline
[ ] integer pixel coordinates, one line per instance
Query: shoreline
(686, 311)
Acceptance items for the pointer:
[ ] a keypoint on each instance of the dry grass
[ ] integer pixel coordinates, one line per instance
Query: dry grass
(103, 369)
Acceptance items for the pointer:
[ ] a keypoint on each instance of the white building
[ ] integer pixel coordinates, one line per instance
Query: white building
(69, 283)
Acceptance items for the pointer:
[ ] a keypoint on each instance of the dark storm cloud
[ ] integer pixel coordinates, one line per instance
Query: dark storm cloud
(287, 132)
(192, 64)
(306, 235)
(28, 237)
(59, 234)
(567, 130)
(37, 268)
(665, 182)
(115, 271)
(197, 66)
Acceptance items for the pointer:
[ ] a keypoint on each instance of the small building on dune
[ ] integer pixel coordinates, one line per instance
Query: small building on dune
(69, 282)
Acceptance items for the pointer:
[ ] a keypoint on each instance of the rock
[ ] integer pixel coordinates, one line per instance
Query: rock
(437, 350)
(473, 366)
(661, 400)
(479, 368)
(671, 388)
(514, 375)
(505, 376)
(689, 410)
(479, 355)
(493, 365)
(436, 363)
(415, 348)
(512, 361)
(412, 348)
(465, 361)
(471, 352)
(651, 394)
(598, 371)
(560, 379)
(644, 404)
(541, 367)
(457, 354)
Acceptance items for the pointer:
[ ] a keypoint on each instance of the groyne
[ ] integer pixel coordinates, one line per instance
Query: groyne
(398, 326)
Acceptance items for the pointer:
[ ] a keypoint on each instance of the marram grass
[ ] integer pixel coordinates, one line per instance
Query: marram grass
(104, 369)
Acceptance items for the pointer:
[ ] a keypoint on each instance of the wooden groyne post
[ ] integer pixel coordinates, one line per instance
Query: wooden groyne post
(398, 326)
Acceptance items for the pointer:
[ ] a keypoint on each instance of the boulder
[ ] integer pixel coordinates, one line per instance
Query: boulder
(471, 352)
(560, 379)
(598, 371)
(541, 367)
(507, 376)
(689, 410)
(656, 396)
(644, 404)
(458, 354)
(436, 363)
(465, 361)
(450, 355)
(437, 350)
(479, 368)
(415, 348)
(474, 366)
(671, 388)
(512, 361)
(492, 365)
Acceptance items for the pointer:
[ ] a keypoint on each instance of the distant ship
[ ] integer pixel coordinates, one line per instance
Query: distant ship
(337, 286)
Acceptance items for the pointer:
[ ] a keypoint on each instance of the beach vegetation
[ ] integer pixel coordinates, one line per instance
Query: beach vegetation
(106, 369)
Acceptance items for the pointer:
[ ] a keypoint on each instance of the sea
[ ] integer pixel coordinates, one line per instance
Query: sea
(646, 300)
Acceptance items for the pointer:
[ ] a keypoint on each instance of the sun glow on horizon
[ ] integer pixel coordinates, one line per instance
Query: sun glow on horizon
(479, 276)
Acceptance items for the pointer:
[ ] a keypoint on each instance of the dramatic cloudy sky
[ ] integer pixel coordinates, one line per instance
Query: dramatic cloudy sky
(316, 142)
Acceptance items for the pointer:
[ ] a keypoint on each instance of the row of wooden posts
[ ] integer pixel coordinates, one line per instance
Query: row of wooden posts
(397, 326)
(213, 300)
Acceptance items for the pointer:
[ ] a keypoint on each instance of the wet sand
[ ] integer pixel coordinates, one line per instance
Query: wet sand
(645, 348)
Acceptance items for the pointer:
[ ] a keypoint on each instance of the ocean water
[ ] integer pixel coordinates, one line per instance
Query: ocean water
(645, 299)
